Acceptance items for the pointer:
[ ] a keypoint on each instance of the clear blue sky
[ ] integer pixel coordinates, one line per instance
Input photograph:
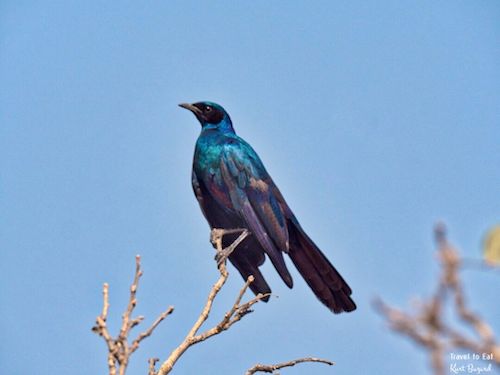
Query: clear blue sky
(375, 119)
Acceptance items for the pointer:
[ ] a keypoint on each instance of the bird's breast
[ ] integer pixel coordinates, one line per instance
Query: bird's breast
(206, 165)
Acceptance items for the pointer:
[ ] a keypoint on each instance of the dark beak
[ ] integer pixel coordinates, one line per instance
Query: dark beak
(191, 108)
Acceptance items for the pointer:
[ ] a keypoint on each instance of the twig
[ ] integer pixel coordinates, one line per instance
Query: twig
(119, 351)
(235, 314)
(272, 368)
(152, 364)
(149, 331)
(102, 330)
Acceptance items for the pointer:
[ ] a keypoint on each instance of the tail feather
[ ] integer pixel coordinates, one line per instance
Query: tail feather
(321, 276)
(247, 258)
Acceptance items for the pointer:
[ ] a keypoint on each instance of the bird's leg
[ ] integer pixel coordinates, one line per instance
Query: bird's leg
(216, 238)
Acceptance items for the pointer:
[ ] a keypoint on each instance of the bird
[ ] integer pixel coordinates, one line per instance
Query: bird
(234, 190)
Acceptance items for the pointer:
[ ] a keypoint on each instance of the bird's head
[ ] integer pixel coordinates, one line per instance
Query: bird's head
(210, 115)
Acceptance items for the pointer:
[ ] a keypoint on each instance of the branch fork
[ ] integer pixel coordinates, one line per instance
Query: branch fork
(119, 349)
(237, 311)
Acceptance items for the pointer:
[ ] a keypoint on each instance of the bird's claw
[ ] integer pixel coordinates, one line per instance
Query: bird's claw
(221, 257)
(216, 240)
(216, 235)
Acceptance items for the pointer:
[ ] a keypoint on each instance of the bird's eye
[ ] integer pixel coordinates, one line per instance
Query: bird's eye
(208, 108)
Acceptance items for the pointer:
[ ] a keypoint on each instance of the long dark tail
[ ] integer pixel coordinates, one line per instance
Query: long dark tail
(321, 276)
(247, 258)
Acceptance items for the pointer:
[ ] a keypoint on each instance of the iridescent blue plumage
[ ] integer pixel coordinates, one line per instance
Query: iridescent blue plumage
(234, 190)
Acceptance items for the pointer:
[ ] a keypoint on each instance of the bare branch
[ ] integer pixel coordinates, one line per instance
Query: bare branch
(232, 316)
(105, 305)
(102, 330)
(126, 325)
(119, 351)
(149, 331)
(272, 368)
(427, 327)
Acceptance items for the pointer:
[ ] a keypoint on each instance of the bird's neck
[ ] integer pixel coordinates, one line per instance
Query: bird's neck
(225, 126)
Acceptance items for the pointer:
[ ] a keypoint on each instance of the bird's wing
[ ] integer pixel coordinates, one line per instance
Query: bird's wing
(251, 193)
(247, 262)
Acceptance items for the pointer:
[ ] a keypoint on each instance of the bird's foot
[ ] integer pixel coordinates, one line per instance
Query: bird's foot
(216, 235)
(216, 239)
(221, 257)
